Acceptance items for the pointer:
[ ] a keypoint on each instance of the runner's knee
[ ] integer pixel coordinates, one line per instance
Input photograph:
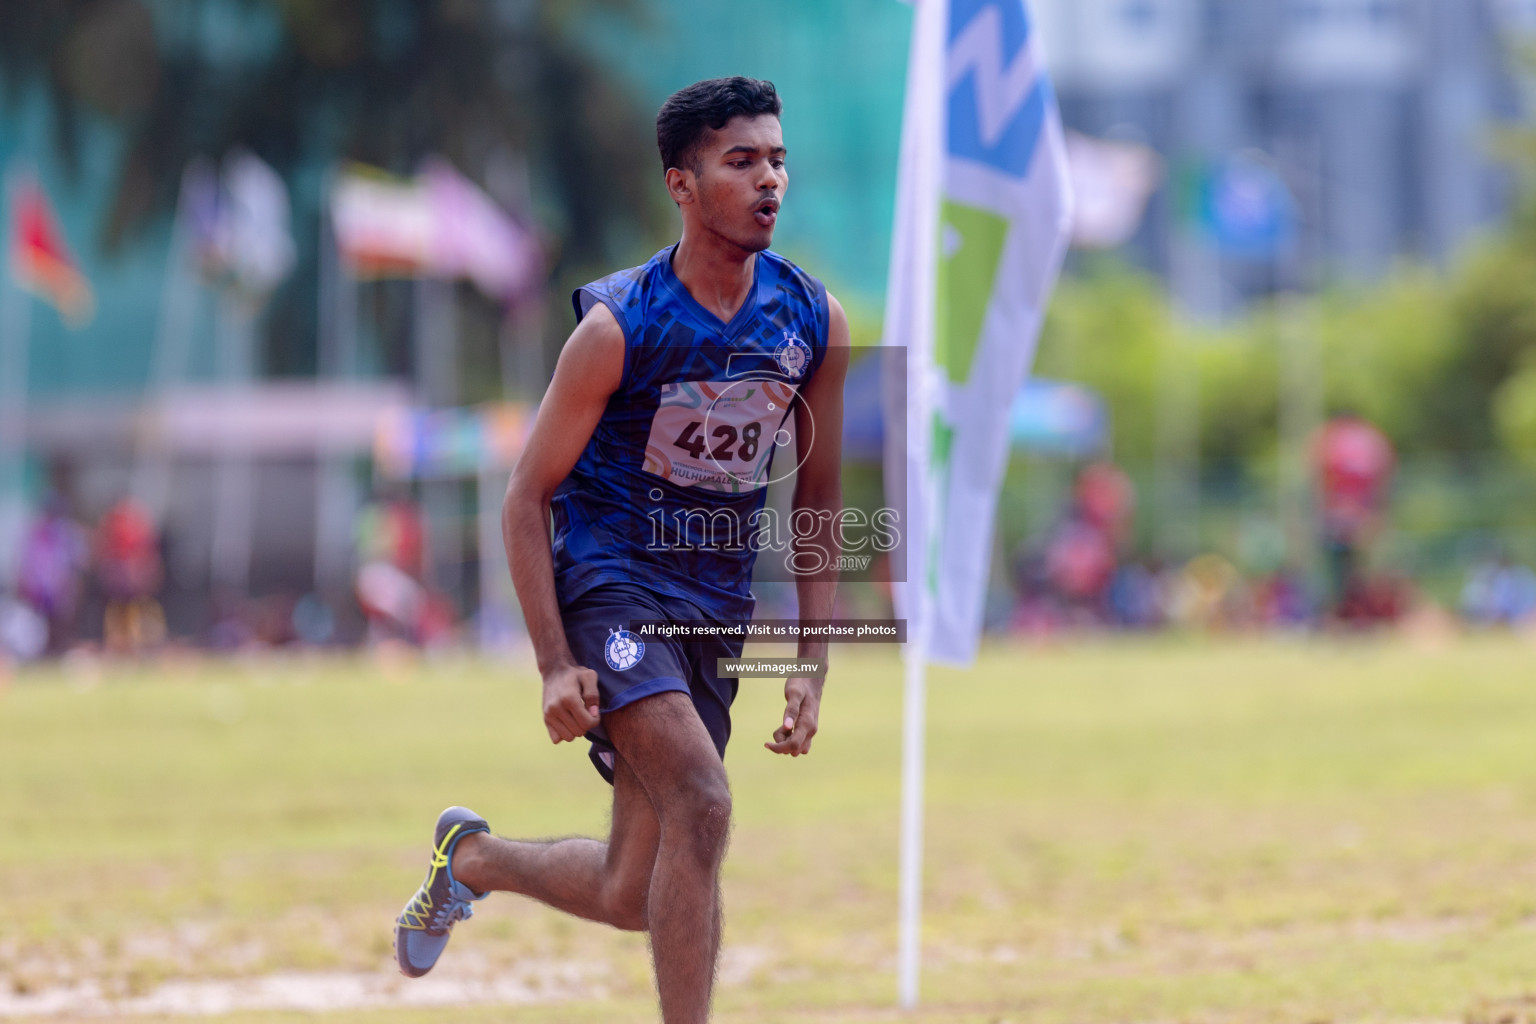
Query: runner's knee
(700, 809)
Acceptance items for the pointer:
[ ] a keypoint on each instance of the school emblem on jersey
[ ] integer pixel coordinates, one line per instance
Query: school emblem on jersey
(623, 650)
(793, 356)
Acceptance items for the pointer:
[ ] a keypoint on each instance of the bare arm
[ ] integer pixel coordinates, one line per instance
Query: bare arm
(590, 369)
(818, 502)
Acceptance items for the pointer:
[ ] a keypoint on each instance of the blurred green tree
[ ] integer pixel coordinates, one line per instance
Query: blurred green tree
(1389, 353)
(1106, 328)
(1515, 411)
(1434, 358)
(503, 88)
(1500, 305)
(304, 82)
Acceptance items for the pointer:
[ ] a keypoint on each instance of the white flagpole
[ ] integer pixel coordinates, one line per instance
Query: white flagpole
(495, 610)
(234, 520)
(172, 348)
(909, 323)
(996, 185)
(913, 738)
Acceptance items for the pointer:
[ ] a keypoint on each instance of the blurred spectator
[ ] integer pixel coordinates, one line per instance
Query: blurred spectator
(241, 622)
(1034, 612)
(395, 601)
(1209, 593)
(23, 633)
(312, 621)
(1105, 499)
(54, 558)
(230, 628)
(1135, 599)
(1281, 599)
(128, 567)
(1079, 563)
(1499, 593)
(392, 600)
(390, 531)
(1083, 551)
(1353, 462)
(1374, 599)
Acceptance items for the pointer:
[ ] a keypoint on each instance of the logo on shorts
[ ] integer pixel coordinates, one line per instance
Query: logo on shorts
(623, 650)
(793, 356)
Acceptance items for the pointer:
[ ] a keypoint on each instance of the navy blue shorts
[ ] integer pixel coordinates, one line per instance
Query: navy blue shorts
(629, 668)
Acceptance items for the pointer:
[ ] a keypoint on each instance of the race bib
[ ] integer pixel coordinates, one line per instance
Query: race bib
(717, 435)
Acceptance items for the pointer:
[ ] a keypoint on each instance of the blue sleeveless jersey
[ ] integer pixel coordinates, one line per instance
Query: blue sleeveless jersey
(667, 492)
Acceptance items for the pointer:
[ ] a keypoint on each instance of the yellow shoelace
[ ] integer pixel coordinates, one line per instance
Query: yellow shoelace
(415, 914)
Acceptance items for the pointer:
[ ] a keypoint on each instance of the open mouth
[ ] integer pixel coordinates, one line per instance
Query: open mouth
(767, 212)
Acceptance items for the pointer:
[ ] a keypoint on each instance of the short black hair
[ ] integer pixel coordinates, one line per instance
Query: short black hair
(704, 107)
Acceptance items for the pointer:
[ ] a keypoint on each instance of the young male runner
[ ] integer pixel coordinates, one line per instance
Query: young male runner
(650, 453)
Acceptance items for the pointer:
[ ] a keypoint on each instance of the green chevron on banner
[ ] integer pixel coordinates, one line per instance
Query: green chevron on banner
(970, 249)
(943, 442)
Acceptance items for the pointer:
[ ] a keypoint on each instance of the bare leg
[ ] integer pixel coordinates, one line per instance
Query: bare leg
(675, 760)
(600, 881)
(659, 870)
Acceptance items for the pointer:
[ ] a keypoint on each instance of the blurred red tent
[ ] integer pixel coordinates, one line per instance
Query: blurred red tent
(42, 261)
(437, 224)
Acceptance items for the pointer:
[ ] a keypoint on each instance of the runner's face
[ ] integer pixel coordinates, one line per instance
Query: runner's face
(741, 180)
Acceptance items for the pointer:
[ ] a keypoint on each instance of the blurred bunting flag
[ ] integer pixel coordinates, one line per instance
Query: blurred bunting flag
(41, 260)
(473, 238)
(382, 223)
(240, 219)
(984, 213)
(447, 443)
(437, 224)
(1111, 182)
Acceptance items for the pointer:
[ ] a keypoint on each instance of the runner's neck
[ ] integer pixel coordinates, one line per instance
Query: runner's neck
(718, 276)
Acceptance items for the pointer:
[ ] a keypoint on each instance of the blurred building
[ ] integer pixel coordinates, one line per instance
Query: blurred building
(1379, 115)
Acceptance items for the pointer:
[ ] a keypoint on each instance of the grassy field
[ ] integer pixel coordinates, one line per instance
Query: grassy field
(1132, 831)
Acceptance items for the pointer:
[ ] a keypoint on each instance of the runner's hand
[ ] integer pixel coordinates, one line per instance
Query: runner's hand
(570, 702)
(802, 703)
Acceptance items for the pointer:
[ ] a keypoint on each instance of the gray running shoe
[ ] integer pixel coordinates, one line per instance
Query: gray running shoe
(421, 930)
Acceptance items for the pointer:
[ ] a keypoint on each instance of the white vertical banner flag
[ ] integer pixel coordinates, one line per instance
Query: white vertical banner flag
(983, 217)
